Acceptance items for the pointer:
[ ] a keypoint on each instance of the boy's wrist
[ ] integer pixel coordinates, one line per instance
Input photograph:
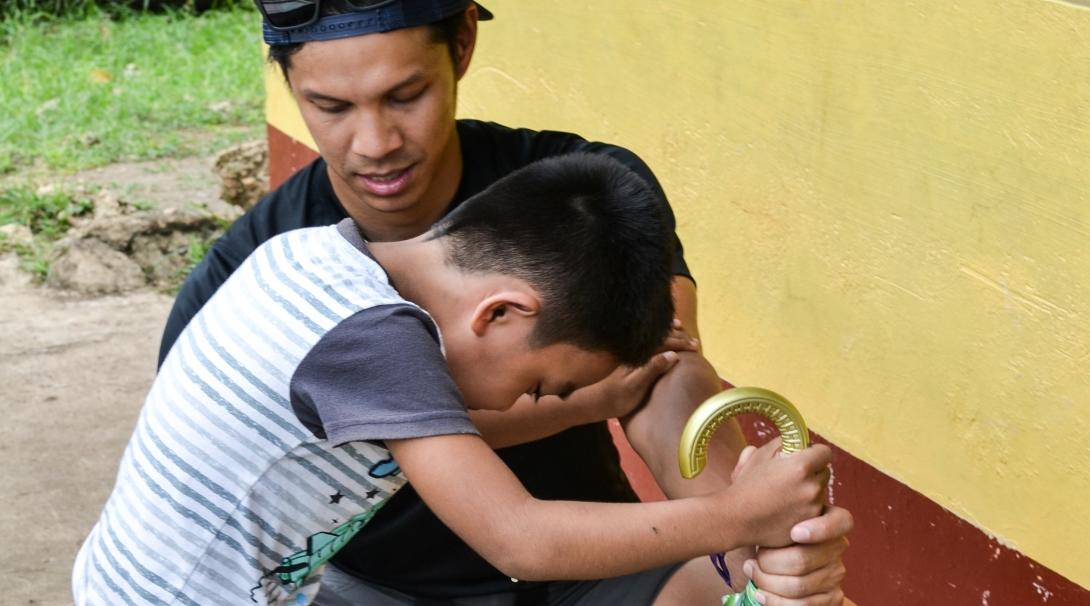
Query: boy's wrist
(718, 523)
(587, 405)
(736, 519)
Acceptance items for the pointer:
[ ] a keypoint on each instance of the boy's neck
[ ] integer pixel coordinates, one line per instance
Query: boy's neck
(420, 272)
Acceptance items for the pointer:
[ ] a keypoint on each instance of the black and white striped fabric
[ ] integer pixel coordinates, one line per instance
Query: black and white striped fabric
(223, 496)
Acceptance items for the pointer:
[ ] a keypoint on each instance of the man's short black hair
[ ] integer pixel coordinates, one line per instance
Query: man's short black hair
(442, 32)
(590, 236)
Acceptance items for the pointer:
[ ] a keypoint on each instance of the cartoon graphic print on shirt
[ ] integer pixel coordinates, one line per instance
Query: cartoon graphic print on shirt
(384, 468)
(322, 546)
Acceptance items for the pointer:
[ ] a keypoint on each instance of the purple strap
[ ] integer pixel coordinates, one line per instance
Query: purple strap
(720, 563)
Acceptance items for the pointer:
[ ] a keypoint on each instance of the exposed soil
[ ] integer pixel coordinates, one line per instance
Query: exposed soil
(74, 370)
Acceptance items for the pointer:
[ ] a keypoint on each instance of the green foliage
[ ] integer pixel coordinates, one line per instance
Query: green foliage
(198, 248)
(47, 215)
(113, 8)
(33, 256)
(77, 93)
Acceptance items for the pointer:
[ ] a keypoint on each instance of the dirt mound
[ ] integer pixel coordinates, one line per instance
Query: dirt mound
(122, 248)
(244, 171)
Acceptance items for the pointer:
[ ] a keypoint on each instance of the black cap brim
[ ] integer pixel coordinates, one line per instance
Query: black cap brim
(483, 14)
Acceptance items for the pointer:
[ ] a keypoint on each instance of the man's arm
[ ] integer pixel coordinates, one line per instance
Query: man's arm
(476, 495)
(810, 567)
(199, 286)
(673, 398)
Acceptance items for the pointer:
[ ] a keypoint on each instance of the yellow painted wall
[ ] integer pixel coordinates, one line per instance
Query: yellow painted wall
(887, 208)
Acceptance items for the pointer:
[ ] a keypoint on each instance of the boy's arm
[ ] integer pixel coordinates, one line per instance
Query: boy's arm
(476, 495)
(809, 567)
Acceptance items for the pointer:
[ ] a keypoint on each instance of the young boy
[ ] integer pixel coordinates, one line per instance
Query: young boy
(328, 371)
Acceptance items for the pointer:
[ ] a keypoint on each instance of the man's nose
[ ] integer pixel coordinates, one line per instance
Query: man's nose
(376, 136)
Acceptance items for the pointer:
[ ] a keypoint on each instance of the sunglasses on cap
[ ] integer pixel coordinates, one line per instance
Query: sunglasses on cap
(285, 15)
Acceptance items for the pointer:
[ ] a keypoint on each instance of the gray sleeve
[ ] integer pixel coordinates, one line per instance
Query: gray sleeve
(378, 375)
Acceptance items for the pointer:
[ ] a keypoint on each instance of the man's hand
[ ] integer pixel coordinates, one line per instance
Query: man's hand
(809, 572)
(678, 339)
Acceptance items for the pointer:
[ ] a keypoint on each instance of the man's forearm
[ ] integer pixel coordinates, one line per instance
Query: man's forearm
(655, 430)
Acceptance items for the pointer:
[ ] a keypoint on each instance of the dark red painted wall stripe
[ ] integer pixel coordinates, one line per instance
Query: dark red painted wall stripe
(906, 550)
(286, 155)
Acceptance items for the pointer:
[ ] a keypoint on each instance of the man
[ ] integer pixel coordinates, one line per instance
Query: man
(377, 87)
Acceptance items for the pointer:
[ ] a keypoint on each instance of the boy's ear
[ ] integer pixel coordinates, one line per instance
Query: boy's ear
(503, 308)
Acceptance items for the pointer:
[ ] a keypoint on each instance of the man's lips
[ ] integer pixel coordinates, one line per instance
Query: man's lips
(389, 183)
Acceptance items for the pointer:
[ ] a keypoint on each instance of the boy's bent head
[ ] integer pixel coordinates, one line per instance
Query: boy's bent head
(590, 236)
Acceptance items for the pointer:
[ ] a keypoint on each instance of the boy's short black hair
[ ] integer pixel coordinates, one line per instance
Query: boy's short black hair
(442, 32)
(590, 236)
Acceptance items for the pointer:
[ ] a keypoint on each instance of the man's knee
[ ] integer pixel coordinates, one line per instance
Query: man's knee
(696, 582)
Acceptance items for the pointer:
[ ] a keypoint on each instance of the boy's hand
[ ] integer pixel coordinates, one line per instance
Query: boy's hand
(625, 389)
(773, 492)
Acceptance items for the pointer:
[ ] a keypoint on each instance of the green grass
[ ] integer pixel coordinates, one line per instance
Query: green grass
(195, 252)
(48, 216)
(83, 8)
(75, 94)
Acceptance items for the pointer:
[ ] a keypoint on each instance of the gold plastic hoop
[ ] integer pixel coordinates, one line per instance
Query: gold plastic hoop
(692, 452)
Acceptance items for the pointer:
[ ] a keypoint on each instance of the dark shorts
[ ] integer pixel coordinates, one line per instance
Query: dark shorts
(640, 589)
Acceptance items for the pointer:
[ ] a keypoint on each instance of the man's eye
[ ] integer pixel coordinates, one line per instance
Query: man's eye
(408, 98)
(331, 109)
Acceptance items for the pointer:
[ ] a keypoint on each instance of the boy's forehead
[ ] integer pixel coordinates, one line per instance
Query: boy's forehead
(572, 363)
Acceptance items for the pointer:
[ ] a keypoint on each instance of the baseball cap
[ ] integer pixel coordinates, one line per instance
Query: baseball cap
(297, 21)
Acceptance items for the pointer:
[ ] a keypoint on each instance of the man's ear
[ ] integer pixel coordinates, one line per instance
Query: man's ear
(465, 40)
(503, 308)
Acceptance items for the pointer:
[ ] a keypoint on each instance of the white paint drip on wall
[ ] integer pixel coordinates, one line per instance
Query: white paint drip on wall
(832, 482)
(1042, 591)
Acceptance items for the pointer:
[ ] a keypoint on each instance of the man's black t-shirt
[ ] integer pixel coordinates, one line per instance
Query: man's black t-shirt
(405, 546)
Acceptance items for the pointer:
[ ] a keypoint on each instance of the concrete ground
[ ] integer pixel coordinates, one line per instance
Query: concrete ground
(73, 374)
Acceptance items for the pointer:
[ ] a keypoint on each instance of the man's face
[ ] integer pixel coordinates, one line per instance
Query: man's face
(495, 381)
(381, 109)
